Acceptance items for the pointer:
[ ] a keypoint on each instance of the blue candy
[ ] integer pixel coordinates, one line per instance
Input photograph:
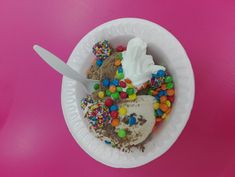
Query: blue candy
(164, 92)
(107, 142)
(93, 118)
(113, 108)
(120, 70)
(132, 121)
(157, 97)
(160, 73)
(106, 82)
(159, 112)
(99, 62)
(115, 82)
(161, 93)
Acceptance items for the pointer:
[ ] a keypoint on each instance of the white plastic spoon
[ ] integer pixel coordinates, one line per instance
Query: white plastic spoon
(64, 69)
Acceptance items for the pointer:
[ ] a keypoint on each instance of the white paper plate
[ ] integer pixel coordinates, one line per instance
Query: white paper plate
(166, 50)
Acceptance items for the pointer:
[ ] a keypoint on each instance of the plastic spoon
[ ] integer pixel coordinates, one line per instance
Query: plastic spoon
(64, 69)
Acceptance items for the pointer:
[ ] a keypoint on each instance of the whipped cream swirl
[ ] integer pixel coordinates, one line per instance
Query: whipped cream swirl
(137, 66)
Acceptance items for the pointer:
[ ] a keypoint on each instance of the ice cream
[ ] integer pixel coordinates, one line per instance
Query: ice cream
(137, 123)
(137, 65)
(142, 111)
(134, 95)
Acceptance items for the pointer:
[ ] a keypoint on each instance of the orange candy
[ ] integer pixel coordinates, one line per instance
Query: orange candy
(115, 122)
(155, 93)
(164, 107)
(158, 89)
(117, 63)
(157, 123)
(163, 99)
(158, 120)
(170, 92)
(168, 111)
(112, 89)
(128, 81)
(163, 87)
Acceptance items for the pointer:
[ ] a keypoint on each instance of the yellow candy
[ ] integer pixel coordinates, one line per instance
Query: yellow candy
(101, 94)
(168, 103)
(164, 116)
(156, 106)
(132, 97)
(122, 111)
(130, 85)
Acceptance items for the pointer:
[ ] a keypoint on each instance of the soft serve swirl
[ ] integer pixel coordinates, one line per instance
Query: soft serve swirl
(137, 66)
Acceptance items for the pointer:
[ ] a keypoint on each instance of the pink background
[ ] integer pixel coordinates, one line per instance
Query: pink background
(34, 139)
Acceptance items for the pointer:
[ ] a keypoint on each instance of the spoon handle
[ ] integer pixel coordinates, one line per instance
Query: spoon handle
(57, 64)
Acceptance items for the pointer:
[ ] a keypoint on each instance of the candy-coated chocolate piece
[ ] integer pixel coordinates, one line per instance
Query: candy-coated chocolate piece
(112, 88)
(122, 133)
(123, 95)
(96, 86)
(132, 121)
(170, 92)
(114, 114)
(113, 108)
(163, 107)
(122, 111)
(115, 95)
(108, 102)
(106, 82)
(115, 122)
(101, 94)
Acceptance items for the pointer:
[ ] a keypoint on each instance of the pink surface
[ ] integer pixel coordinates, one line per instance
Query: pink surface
(34, 139)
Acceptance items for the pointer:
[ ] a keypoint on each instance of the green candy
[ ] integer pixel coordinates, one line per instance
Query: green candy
(169, 85)
(155, 113)
(119, 55)
(115, 95)
(168, 79)
(122, 133)
(119, 89)
(120, 76)
(108, 93)
(150, 92)
(130, 91)
(96, 86)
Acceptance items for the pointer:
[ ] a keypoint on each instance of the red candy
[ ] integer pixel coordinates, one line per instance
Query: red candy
(171, 98)
(108, 102)
(120, 48)
(123, 95)
(114, 114)
(122, 84)
(152, 82)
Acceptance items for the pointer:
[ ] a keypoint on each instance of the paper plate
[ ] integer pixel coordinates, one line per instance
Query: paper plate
(166, 50)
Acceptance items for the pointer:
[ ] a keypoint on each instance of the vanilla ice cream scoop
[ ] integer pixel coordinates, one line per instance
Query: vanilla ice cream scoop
(137, 131)
(137, 65)
(142, 110)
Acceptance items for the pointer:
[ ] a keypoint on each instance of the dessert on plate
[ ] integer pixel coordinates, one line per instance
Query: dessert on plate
(133, 97)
